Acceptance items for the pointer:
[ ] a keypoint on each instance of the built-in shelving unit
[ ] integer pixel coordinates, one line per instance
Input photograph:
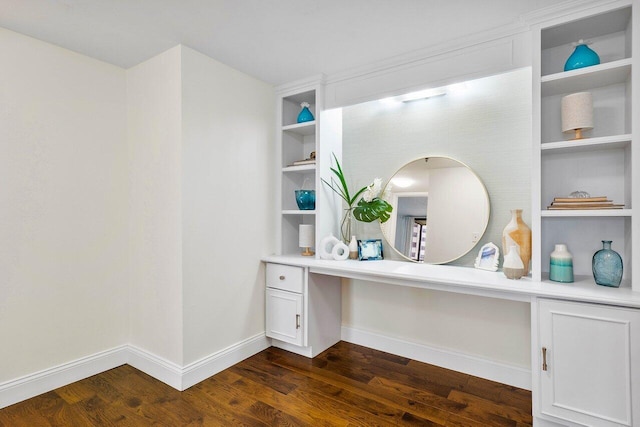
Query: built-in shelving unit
(603, 163)
(296, 141)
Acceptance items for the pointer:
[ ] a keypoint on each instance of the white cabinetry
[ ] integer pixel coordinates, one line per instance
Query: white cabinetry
(303, 310)
(587, 370)
(604, 163)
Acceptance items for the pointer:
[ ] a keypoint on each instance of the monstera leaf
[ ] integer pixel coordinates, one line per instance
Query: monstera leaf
(370, 211)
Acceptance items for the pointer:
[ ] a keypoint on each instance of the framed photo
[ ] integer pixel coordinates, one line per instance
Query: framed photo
(488, 257)
(369, 250)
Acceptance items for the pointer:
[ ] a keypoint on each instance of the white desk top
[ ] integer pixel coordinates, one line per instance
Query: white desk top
(464, 280)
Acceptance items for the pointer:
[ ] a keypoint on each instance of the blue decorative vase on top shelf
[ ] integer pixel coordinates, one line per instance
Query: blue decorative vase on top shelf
(582, 56)
(305, 115)
(607, 266)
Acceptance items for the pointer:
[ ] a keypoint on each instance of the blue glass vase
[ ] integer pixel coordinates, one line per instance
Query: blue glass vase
(607, 266)
(582, 56)
(305, 115)
(306, 199)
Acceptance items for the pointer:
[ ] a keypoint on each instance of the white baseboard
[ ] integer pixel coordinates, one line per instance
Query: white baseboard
(31, 385)
(472, 365)
(202, 369)
(178, 377)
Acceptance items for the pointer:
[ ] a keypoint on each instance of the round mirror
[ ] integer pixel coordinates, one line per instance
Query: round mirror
(440, 210)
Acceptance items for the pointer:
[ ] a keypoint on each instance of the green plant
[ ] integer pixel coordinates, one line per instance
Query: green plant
(370, 206)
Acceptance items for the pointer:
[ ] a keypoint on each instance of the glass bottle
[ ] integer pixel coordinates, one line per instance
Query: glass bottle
(607, 266)
(305, 115)
(582, 56)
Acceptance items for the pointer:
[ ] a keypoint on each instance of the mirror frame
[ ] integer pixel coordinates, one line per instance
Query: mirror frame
(387, 196)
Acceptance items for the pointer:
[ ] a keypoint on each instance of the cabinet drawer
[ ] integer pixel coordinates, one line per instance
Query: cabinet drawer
(285, 277)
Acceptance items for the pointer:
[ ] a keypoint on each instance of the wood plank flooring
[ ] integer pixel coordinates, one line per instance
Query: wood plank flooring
(347, 385)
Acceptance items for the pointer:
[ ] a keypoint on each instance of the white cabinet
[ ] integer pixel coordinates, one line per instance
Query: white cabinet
(284, 316)
(603, 163)
(303, 310)
(588, 363)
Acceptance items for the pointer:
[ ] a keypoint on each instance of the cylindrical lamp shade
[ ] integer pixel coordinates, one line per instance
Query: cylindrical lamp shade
(577, 112)
(306, 238)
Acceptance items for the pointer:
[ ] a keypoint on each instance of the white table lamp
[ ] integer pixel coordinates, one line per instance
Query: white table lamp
(306, 239)
(577, 113)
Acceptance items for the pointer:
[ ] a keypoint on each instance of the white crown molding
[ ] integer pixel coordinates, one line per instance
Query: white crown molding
(300, 85)
(468, 364)
(567, 7)
(170, 373)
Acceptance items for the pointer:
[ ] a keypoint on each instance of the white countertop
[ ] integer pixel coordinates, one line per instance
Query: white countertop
(464, 280)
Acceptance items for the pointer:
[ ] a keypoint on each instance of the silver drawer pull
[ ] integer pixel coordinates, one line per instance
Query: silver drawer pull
(544, 358)
(281, 277)
(297, 321)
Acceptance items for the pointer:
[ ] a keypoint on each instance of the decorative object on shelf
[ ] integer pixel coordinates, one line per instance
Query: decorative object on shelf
(607, 266)
(577, 113)
(513, 267)
(576, 203)
(579, 194)
(340, 251)
(326, 246)
(306, 199)
(305, 114)
(582, 56)
(519, 234)
(311, 160)
(370, 206)
(353, 248)
(561, 265)
(306, 239)
(488, 257)
(370, 250)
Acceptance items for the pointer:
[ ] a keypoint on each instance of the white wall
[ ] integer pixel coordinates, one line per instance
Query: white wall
(227, 203)
(154, 111)
(487, 127)
(63, 206)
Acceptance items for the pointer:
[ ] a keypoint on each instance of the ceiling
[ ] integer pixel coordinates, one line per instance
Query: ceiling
(276, 41)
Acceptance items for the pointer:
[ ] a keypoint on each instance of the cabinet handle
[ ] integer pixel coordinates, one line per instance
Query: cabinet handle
(544, 358)
(281, 277)
(297, 321)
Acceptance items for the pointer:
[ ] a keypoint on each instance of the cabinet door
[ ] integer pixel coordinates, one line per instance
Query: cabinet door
(588, 377)
(284, 316)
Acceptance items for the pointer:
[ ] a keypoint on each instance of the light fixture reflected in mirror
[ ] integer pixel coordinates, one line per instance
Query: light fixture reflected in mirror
(440, 215)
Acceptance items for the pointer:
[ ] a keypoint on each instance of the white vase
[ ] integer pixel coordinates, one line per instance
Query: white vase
(518, 233)
(353, 248)
(513, 267)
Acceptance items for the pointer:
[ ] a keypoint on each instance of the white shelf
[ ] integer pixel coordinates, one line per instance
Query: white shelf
(572, 213)
(304, 129)
(298, 212)
(587, 144)
(586, 78)
(299, 168)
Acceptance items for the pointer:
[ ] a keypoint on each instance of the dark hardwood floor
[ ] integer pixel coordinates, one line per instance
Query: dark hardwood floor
(347, 385)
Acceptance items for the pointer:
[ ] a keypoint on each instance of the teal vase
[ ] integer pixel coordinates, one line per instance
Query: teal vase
(582, 56)
(607, 266)
(305, 114)
(561, 265)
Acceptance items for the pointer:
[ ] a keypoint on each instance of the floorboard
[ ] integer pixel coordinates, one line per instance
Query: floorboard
(347, 385)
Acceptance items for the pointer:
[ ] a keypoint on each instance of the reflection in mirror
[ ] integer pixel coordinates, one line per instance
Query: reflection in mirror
(440, 210)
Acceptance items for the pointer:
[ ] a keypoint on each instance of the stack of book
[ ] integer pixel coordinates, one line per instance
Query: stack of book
(304, 162)
(602, 202)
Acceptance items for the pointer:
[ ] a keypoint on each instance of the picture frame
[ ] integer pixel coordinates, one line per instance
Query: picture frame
(370, 250)
(488, 257)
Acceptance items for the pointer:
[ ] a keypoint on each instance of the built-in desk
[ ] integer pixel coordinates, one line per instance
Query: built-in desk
(576, 328)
